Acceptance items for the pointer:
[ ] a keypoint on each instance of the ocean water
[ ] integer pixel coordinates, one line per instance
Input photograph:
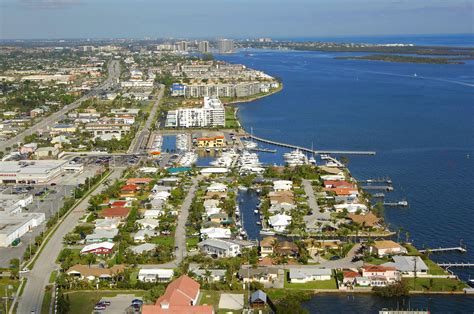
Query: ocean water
(421, 126)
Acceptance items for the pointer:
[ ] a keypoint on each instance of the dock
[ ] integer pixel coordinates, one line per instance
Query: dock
(265, 150)
(455, 264)
(378, 187)
(396, 204)
(382, 180)
(446, 249)
(308, 150)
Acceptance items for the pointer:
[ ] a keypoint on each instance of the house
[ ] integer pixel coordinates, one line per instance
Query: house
(259, 274)
(217, 187)
(162, 196)
(101, 235)
(258, 300)
(211, 203)
(153, 213)
(221, 218)
(91, 273)
(36, 112)
(380, 276)
(302, 275)
(107, 224)
(102, 248)
(143, 234)
(282, 185)
(338, 184)
(266, 246)
(142, 248)
(210, 275)
(279, 222)
(409, 265)
(46, 152)
(181, 296)
(349, 277)
(136, 181)
(129, 190)
(148, 223)
(351, 208)
(219, 248)
(386, 247)
(120, 203)
(155, 274)
(368, 220)
(287, 248)
(215, 233)
(279, 197)
(28, 148)
(115, 212)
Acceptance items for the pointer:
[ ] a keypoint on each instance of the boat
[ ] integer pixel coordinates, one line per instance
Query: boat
(378, 195)
(312, 161)
(243, 188)
(208, 150)
(255, 211)
(258, 223)
(267, 232)
(295, 158)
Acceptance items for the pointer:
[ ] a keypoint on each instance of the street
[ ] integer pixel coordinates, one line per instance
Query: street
(37, 279)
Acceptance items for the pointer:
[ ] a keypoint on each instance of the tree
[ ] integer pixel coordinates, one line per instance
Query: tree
(14, 268)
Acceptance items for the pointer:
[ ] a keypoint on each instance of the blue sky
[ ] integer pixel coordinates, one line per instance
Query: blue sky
(231, 18)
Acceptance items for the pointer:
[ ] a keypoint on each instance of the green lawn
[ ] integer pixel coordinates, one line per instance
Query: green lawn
(317, 284)
(192, 242)
(434, 269)
(377, 261)
(48, 295)
(164, 240)
(84, 301)
(5, 282)
(435, 284)
(212, 297)
(230, 121)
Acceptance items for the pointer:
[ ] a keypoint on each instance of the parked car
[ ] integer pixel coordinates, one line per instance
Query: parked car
(99, 307)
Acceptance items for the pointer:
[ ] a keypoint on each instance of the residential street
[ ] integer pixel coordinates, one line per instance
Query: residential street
(32, 297)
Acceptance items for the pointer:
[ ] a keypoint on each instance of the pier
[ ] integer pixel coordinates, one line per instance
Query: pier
(456, 264)
(396, 204)
(378, 187)
(447, 249)
(382, 180)
(265, 150)
(308, 150)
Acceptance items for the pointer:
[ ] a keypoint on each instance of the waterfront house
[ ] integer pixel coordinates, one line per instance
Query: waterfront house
(155, 275)
(386, 247)
(94, 272)
(259, 274)
(279, 222)
(287, 248)
(279, 197)
(181, 296)
(409, 265)
(380, 276)
(282, 185)
(216, 187)
(339, 184)
(219, 248)
(351, 208)
(349, 277)
(215, 233)
(303, 275)
(210, 142)
(266, 246)
(368, 220)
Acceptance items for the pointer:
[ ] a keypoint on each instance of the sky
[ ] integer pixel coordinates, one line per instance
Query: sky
(56, 19)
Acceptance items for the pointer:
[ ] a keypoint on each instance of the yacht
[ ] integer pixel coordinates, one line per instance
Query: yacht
(255, 211)
(188, 159)
(295, 158)
(249, 144)
(267, 231)
(182, 143)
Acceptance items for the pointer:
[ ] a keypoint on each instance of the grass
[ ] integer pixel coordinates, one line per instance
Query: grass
(433, 268)
(376, 261)
(48, 295)
(192, 242)
(84, 301)
(435, 284)
(52, 276)
(316, 284)
(164, 240)
(211, 297)
(230, 120)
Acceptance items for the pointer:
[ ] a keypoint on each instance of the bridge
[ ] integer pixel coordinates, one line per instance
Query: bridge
(447, 249)
(308, 150)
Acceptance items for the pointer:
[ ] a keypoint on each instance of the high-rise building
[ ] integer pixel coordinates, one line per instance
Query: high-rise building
(212, 114)
(225, 45)
(182, 46)
(203, 46)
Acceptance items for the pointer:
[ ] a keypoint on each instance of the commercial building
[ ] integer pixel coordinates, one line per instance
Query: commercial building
(209, 142)
(14, 226)
(212, 114)
(30, 172)
(225, 46)
(181, 46)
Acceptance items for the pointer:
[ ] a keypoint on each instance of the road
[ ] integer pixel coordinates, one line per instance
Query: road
(114, 74)
(32, 297)
(144, 132)
(316, 216)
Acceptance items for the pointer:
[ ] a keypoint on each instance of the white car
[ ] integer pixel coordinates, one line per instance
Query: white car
(24, 271)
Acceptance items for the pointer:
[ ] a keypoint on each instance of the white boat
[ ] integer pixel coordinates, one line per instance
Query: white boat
(295, 158)
(312, 161)
(249, 144)
(267, 232)
(243, 188)
(255, 211)
(258, 223)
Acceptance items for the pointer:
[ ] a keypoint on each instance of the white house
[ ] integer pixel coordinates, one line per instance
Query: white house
(220, 248)
(215, 233)
(282, 185)
(351, 208)
(153, 213)
(408, 265)
(302, 275)
(155, 275)
(148, 223)
(217, 187)
(279, 222)
(107, 224)
(142, 235)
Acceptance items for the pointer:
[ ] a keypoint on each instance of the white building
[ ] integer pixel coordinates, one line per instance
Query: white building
(302, 275)
(212, 114)
(279, 222)
(13, 227)
(282, 185)
(30, 172)
(217, 187)
(215, 233)
(155, 275)
(220, 248)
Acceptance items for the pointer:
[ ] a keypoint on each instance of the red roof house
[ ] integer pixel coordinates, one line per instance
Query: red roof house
(130, 188)
(180, 297)
(134, 181)
(120, 204)
(338, 184)
(115, 212)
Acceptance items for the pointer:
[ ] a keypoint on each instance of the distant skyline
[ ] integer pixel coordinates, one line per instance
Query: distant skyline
(56, 19)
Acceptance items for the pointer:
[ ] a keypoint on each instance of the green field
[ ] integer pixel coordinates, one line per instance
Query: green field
(435, 284)
(84, 301)
(164, 240)
(317, 284)
(192, 242)
(230, 121)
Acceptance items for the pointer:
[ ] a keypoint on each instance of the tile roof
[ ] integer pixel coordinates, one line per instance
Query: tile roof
(115, 212)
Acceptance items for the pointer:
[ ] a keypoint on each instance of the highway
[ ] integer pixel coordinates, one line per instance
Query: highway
(144, 133)
(37, 279)
(114, 74)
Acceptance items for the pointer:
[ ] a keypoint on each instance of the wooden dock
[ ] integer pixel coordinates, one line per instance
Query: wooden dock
(456, 264)
(446, 249)
(378, 187)
(308, 150)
